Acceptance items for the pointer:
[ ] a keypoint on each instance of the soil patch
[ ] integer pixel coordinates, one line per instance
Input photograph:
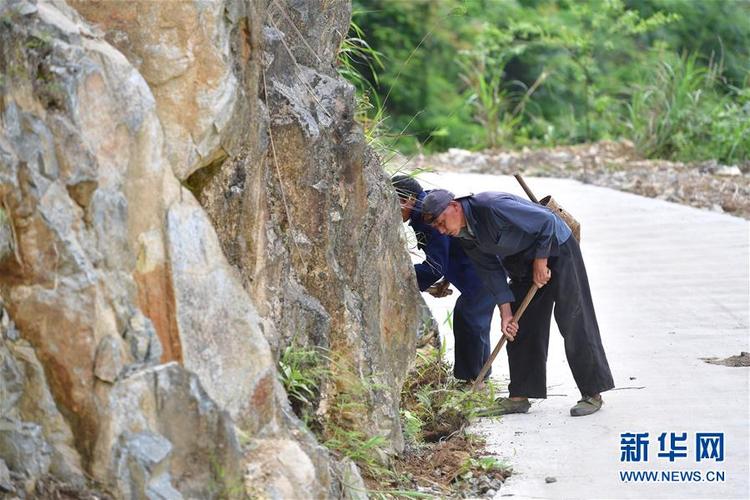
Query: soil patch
(441, 459)
(743, 359)
(457, 467)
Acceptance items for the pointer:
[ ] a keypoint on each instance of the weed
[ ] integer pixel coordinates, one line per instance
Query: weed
(9, 16)
(39, 41)
(302, 370)
(360, 64)
(365, 451)
(412, 425)
(484, 464)
(448, 319)
(389, 494)
(434, 404)
(499, 106)
(434, 408)
(356, 56)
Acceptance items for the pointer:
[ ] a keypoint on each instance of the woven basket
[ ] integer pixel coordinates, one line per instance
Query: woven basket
(572, 223)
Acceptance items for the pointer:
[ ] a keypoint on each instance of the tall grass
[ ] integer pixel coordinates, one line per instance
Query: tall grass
(361, 64)
(304, 372)
(680, 114)
(355, 55)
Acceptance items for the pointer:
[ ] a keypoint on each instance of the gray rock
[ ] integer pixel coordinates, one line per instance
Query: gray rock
(142, 464)
(220, 328)
(23, 447)
(5, 484)
(144, 342)
(26, 8)
(109, 360)
(352, 484)
(491, 493)
(161, 488)
(12, 333)
(11, 380)
(550, 479)
(195, 112)
(6, 237)
(37, 405)
(161, 421)
(314, 34)
(149, 450)
(108, 210)
(729, 171)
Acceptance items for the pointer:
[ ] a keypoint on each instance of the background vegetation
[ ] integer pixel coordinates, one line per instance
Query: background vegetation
(671, 75)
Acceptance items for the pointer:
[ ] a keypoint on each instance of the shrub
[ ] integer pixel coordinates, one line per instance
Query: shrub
(681, 113)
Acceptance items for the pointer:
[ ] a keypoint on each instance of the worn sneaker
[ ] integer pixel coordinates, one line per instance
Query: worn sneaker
(586, 406)
(504, 406)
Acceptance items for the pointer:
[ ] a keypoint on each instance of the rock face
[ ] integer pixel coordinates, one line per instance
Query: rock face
(301, 207)
(184, 193)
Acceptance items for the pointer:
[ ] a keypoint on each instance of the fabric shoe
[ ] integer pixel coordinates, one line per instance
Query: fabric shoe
(504, 406)
(586, 406)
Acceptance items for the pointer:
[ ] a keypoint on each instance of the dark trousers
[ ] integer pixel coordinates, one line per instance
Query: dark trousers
(568, 291)
(472, 316)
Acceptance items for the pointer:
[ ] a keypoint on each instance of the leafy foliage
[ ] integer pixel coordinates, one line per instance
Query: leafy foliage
(492, 73)
(434, 404)
(681, 115)
(304, 371)
(484, 464)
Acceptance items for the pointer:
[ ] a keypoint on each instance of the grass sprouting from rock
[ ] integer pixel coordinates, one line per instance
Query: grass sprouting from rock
(441, 459)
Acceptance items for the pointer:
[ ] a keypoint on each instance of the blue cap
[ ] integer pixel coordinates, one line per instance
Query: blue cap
(434, 203)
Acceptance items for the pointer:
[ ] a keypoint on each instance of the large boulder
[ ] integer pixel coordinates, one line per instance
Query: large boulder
(182, 50)
(183, 193)
(306, 214)
(35, 439)
(301, 206)
(114, 266)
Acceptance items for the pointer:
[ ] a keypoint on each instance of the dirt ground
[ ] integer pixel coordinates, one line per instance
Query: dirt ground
(743, 359)
(441, 458)
(441, 468)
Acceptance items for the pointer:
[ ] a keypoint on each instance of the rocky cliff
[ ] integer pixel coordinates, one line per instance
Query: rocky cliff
(183, 194)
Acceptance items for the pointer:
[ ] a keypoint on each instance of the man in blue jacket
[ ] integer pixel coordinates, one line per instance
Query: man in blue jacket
(507, 236)
(444, 257)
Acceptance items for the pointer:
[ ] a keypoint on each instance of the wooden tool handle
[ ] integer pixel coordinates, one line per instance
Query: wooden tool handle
(516, 317)
(526, 188)
(529, 295)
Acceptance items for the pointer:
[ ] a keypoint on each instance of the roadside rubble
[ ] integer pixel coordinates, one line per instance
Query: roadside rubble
(617, 165)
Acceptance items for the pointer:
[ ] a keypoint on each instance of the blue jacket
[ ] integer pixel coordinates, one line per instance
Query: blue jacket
(506, 233)
(443, 256)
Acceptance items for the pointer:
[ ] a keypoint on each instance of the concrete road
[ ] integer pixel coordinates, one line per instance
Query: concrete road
(670, 286)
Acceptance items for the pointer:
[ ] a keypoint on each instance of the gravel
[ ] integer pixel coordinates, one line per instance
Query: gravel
(617, 165)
